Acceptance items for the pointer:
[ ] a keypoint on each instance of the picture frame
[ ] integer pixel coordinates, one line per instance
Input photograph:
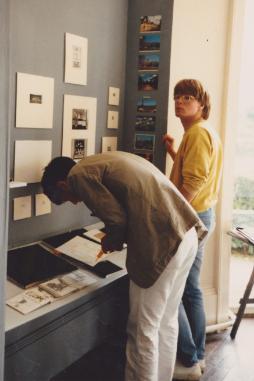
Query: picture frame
(150, 24)
(149, 42)
(34, 101)
(148, 81)
(76, 52)
(79, 125)
(109, 143)
(145, 123)
(113, 96)
(148, 62)
(146, 104)
(144, 142)
(112, 121)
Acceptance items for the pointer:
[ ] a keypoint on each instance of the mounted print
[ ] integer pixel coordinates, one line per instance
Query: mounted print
(30, 159)
(112, 119)
(147, 104)
(75, 59)
(34, 101)
(79, 125)
(150, 24)
(109, 144)
(148, 62)
(113, 96)
(145, 123)
(144, 142)
(148, 81)
(149, 42)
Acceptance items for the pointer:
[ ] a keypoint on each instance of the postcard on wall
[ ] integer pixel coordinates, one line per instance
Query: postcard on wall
(34, 101)
(145, 123)
(31, 157)
(109, 143)
(75, 59)
(22, 207)
(146, 155)
(148, 62)
(144, 142)
(113, 96)
(112, 119)
(149, 42)
(79, 125)
(150, 24)
(148, 81)
(42, 204)
(147, 104)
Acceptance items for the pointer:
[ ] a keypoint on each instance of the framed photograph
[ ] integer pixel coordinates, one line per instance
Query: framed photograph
(150, 24)
(34, 101)
(146, 155)
(148, 81)
(145, 123)
(79, 125)
(144, 142)
(112, 119)
(75, 59)
(147, 104)
(149, 42)
(113, 96)
(148, 61)
(30, 159)
(109, 144)
(79, 149)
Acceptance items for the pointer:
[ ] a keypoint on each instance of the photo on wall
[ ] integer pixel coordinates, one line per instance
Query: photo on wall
(144, 142)
(147, 104)
(149, 42)
(146, 155)
(79, 149)
(148, 81)
(79, 119)
(148, 61)
(150, 24)
(145, 123)
(76, 50)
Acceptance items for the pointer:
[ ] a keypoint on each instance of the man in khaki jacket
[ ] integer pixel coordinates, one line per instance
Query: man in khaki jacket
(140, 207)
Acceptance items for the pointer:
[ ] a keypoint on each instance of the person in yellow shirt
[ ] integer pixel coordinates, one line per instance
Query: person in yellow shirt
(196, 173)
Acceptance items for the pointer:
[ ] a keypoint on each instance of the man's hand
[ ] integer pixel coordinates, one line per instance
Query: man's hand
(108, 246)
(169, 142)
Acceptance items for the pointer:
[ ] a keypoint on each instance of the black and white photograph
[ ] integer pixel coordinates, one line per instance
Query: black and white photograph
(148, 81)
(144, 142)
(79, 148)
(145, 123)
(148, 61)
(150, 24)
(35, 98)
(76, 56)
(79, 119)
(149, 42)
(147, 104)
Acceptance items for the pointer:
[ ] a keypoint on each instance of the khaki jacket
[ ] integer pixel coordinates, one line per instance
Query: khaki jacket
(139, 206)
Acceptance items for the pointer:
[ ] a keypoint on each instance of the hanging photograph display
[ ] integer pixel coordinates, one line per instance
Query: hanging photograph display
(148, 81)
(34, 101)
(147, 104)
(79, 124)
(144, 142)
(148, 62)
(149, 42)
(150, 24)
(75, 59)
(113, 96)
(145, 123)
(109, 143)
(112, 119)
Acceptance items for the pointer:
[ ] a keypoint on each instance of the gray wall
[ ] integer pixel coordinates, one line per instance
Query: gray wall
(4, 64)
(37, 47)
(139, 8)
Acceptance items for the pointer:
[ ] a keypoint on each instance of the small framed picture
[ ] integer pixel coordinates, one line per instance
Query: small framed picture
(148, 81)
(147, 104)
(112, 119)
(109, 144)
(146, 155)
(144, 142)
(113, 96)
(150, 24)
(75, 59)
(79, 119)
(149, 42)
(145, 123)
(148, 62)
(79, 149)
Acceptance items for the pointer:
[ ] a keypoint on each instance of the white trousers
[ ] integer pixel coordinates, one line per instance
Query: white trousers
(153, 319)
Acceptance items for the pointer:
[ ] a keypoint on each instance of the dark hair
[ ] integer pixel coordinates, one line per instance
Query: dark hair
(194, 87)
(55, 171)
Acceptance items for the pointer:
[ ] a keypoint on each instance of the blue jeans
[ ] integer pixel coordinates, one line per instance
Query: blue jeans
(191, 318)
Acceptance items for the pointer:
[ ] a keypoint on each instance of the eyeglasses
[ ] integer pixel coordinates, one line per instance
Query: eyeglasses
(184, 98)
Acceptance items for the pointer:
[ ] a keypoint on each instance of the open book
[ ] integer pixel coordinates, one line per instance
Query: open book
(50, 291)
(81, 251)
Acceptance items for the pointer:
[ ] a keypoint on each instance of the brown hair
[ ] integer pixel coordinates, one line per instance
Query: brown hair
(194, 87)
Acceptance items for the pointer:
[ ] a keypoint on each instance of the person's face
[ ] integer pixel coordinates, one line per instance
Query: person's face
(61, 193)
(187, 107)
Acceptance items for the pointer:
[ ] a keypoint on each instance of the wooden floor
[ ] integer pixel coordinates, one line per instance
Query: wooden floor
(227, 359)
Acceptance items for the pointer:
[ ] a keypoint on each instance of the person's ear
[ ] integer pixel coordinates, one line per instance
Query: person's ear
(62, 185)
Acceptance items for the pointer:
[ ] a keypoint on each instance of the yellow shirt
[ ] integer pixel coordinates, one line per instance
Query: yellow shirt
(198, 164)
